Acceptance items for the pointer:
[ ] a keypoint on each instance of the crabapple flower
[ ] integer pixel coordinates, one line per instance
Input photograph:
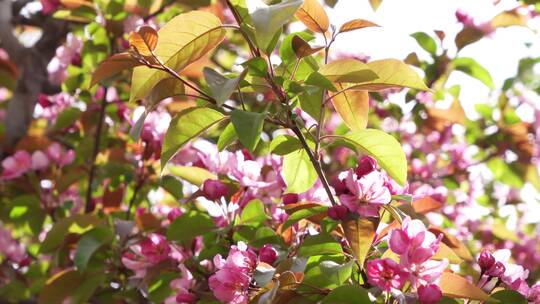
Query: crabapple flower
(414, 242)
(181, 286)
(58, 155)
(230, 283)
(16, 165)
(40, 160)
(155, 248)
(65, 55)
(386, 274)
(364, 195)
(214, 189)
(429, 294)
(10, 248)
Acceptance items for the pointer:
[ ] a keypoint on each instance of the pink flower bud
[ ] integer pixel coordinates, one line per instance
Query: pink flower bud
(338, 212)
(365, 166)
(429, 294)
(214, 189)
(186, 298)
(44, 101)
(486, 260)
(289, 198)
(496, 270)
(267, 254)
(339, 186)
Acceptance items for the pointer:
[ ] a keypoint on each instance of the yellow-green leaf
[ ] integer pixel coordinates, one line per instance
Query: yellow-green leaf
(313, 16)
(384, 148)
(185, 126)
(392, 73)
(348, 70)
(183, 40)
(166, 88)
(267, 20)
(78, 223)
(353, 107)
(194, 175)
(298, 172)
(375, 4)
(112, 66)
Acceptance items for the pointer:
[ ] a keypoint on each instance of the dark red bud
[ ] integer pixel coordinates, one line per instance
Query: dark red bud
(290, 198)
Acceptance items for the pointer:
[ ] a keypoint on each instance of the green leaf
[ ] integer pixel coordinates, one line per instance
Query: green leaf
(384, 148)
(505, 172)
(172, 185)
(285, 144)
(311, 101)
(298, 172)
(183, 40)
(194, 175)
(189, 225)
(221, 86)
(185, 126)
(392, 73)
(135, 132)
(509, 296)
(89, 243)
(248, 127)
(227, 137)
(253, 214)
(267, 20)
(472, 68)
(426, 42)
(329, 277)
(318, 245)
(60, 286)
(348, 70)
(66, 118)
(347, 294)
(77, 223)
(256, 66)
(303, 214)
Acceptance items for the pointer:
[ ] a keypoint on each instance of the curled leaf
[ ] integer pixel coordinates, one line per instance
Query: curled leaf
(144, 40)
(302, 48)
(356, 24)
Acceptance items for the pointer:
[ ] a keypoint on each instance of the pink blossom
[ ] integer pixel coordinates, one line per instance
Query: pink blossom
(414, 242)
(181, 287)
(533, 295)
(10, 248)
(230, 285)
(429, 294)
(40, 160)
(65, 56)
(428, 272)
(16, 165)
(58, 155)
(155, 248)
(386, 274)
(364, 195)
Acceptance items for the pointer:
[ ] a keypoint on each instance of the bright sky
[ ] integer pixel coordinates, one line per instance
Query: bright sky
(499, 54)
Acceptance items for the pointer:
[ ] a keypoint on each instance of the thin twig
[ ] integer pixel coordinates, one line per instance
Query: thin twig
(89, 207)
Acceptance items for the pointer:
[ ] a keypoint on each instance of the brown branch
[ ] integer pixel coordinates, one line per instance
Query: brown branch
(89, 207)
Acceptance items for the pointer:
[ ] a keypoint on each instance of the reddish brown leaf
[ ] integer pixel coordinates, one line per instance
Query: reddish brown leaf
(302, 48)
(112, 66)
(144, 40)
(426, 204)
(360, 234)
